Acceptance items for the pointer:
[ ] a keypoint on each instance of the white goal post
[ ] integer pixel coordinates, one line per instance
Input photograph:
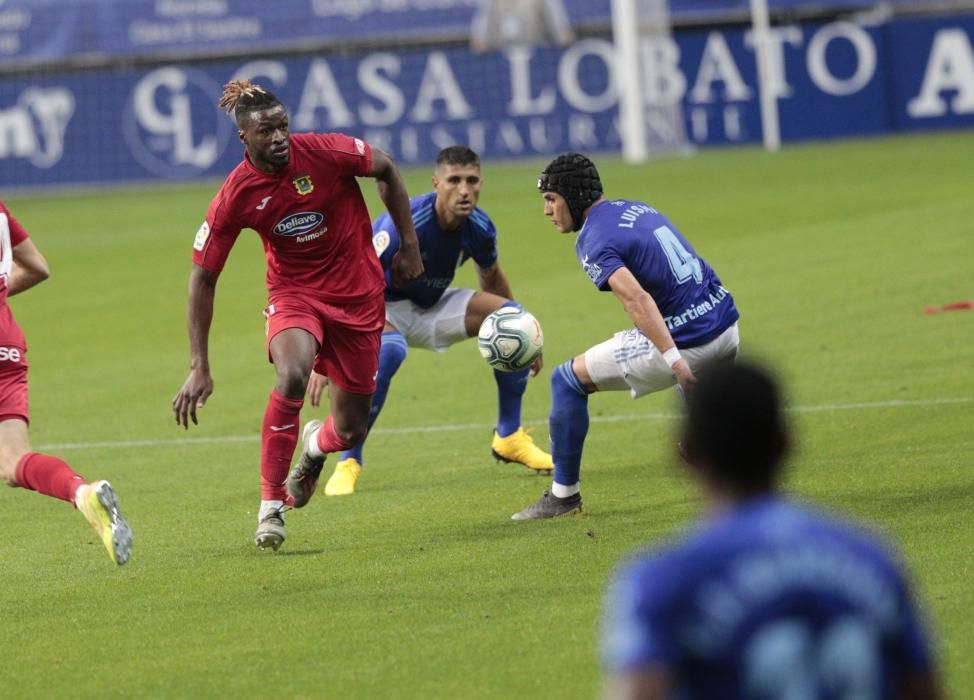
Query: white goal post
(761, 25)
(629, 79)
(645, 128)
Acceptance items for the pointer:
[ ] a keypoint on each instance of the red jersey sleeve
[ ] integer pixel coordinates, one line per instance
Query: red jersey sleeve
(351, 156)
(217, 235)
(18, 234)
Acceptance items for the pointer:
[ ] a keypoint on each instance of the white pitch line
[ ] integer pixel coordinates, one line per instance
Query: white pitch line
(894, 403)
(458, 427)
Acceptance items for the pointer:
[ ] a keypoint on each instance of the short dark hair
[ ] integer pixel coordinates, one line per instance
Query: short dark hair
(243, 97)
(735, 426)
(575, 178)
(457, 155)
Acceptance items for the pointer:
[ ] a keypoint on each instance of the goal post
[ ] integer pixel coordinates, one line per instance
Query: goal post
(761, 26)
(650, 124)
(632, 121)
(650, 118)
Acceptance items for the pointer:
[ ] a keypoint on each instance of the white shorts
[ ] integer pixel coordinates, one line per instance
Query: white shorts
(630, 361)
(435, 328)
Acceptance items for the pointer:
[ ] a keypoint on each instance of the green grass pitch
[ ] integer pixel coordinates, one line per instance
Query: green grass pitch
(419, 586)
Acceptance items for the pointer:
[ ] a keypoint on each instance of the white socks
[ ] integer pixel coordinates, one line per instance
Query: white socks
(562, 491)
(268, 507)
(80, 494)
(313, 448)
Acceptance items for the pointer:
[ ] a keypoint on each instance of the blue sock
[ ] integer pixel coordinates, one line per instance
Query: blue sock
(391, 354)
(567, 424)
(510, 388)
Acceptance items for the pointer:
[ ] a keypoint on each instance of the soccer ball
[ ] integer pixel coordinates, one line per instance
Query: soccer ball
(510, 339)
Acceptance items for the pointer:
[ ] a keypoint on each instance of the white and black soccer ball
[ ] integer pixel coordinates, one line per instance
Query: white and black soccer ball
(510, 339)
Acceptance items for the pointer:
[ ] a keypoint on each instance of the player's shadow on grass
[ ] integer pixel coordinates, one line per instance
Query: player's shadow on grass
(609, 513)
(384, 480)
(926, 502)
(300, 552)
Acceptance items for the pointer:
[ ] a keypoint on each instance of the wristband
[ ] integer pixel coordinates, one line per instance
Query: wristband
(671, 357)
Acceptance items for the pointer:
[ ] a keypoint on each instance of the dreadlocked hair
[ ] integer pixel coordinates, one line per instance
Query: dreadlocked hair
(242, 97)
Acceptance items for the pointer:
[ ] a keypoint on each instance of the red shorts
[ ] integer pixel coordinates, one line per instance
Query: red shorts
(348, 335)
(13, 383)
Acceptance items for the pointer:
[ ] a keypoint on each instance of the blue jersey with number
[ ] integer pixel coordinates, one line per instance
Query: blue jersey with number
(442, 251)
(770, 601)
(618, 233)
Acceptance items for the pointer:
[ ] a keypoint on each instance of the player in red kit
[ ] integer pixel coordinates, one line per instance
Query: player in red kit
(21, 267)
(325, 286)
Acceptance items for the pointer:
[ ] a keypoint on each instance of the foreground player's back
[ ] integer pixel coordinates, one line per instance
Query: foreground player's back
(771, 601)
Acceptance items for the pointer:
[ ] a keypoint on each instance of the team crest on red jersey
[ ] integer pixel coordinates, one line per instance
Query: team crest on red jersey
(304, 185)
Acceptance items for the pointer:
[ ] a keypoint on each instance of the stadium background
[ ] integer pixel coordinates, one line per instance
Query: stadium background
(418, 586)
(110, 92)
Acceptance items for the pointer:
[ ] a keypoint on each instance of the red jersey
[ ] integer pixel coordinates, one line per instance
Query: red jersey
(12, 234)
(311, 218)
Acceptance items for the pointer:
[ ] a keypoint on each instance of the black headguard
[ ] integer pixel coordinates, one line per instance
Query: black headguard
(575, 178)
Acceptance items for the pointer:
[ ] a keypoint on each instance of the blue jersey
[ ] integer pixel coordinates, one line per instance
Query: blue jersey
(442, 251)
(770, 601)
(694, 304)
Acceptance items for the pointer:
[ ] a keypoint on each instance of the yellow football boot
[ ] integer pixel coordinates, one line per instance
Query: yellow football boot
(519, 447)
(99, 504)
(342, 482)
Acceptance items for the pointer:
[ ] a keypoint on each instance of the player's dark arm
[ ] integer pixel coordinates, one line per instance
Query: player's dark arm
(494, 281)
(920, 686)
(644, 312)
(407, 265)
(639, 684)
(29, 268)
(199, 385)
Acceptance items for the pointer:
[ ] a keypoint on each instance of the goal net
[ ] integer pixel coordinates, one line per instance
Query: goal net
(650, 106)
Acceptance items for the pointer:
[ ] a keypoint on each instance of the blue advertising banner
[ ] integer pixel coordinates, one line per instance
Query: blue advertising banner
(42, 30)
(161, 123)
(827, 77)
(159, 27)
(935, 92)
(34, 31)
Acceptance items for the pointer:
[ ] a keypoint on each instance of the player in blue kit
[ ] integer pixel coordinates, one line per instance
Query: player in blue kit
(685, 320)
(428, 313)
(765, 598)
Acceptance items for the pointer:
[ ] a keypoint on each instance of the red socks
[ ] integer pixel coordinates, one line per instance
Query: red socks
(47, 475)
(328, 439)
(278, 438)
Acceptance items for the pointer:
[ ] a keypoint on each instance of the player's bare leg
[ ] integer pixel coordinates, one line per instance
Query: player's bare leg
(293, 351)
(511, 442)
(51, 476)
(480, 306)
(14, 444)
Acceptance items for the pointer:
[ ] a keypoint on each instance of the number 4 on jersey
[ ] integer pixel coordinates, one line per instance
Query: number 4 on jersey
(682, 263)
